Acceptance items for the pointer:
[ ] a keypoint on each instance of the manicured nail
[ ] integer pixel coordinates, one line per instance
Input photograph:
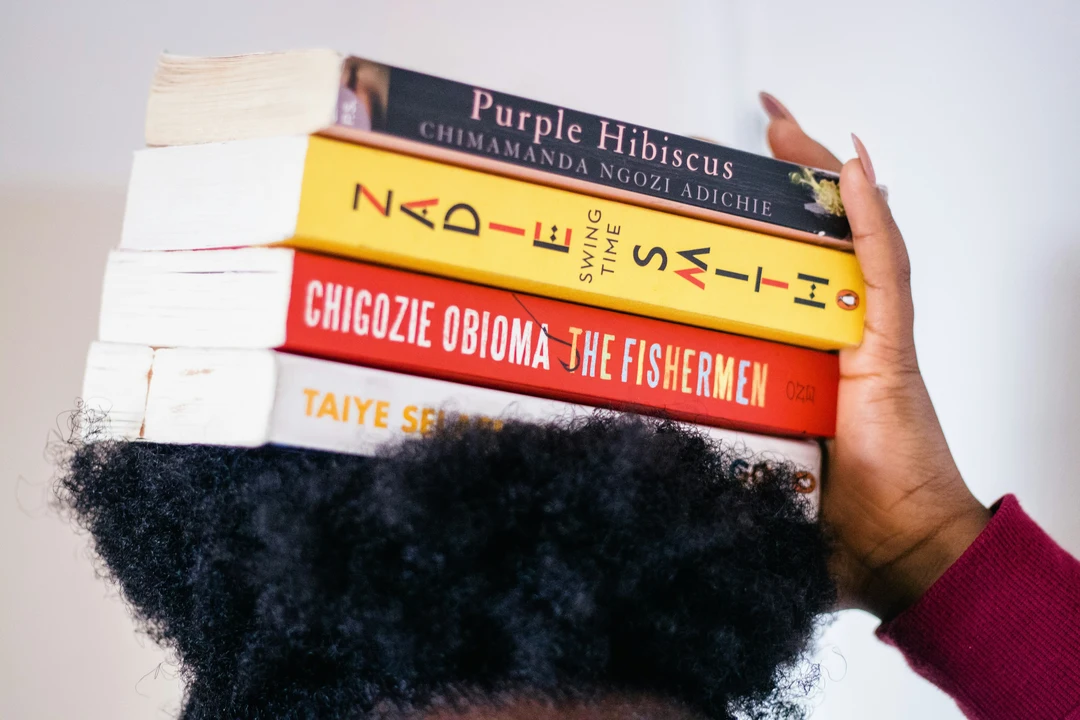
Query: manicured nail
(864, 158)
(774, 107)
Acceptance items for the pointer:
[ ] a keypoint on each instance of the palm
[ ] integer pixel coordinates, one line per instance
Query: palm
(877, 483)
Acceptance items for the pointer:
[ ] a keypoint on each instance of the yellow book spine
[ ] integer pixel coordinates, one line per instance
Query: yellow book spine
(375, 205)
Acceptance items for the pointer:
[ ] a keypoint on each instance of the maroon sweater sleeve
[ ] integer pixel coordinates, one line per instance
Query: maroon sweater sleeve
(1000, 630)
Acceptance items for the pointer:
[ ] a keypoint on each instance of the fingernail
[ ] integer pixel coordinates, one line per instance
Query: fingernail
(773, 107)
(864, 158)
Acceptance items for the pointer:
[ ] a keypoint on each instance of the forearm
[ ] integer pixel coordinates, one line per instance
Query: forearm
(1000, 629)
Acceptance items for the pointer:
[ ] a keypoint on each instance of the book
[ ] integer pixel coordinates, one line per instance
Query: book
(370, 204)
(248, 398)
(211, 99)
(360, 313)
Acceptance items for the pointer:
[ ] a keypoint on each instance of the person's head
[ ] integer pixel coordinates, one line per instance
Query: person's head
(609, 568)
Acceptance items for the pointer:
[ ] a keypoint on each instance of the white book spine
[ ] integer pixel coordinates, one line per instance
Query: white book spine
(346, 408)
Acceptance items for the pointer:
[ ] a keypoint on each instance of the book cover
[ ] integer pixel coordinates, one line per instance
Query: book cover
(255, 397)
(374, 205)
(523, 343)
(372, 315)
(211, 99)
(546, 241)
(582, 146)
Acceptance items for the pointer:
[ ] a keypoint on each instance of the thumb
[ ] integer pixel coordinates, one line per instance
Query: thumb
(883, 258)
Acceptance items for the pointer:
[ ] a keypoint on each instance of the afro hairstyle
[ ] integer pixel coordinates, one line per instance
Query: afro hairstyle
(606, 556)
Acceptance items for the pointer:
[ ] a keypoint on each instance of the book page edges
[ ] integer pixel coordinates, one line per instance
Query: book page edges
(225, 298)
(252, 199)
(213, 99)
(114, 391)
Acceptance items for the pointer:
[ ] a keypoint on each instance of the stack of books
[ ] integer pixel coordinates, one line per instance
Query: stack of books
(325, 252)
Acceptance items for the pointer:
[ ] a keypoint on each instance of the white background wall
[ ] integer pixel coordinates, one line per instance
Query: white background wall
(968, 109)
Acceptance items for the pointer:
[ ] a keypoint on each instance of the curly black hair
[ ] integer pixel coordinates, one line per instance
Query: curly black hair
(611, 555)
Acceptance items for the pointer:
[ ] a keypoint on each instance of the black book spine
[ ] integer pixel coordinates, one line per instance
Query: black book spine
(511, 129)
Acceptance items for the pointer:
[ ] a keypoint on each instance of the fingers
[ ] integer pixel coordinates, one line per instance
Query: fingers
(789, 142)
(878, 244)
(882, 256)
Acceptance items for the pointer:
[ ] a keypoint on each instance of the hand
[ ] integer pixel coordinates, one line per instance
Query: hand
(893, 496)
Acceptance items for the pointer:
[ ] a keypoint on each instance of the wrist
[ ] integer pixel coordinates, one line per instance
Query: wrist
(933, 550)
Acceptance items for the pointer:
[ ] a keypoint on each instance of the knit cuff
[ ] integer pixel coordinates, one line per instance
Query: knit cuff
(1000, 630)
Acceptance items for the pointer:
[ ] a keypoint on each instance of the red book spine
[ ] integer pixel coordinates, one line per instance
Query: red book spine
(403, 321)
